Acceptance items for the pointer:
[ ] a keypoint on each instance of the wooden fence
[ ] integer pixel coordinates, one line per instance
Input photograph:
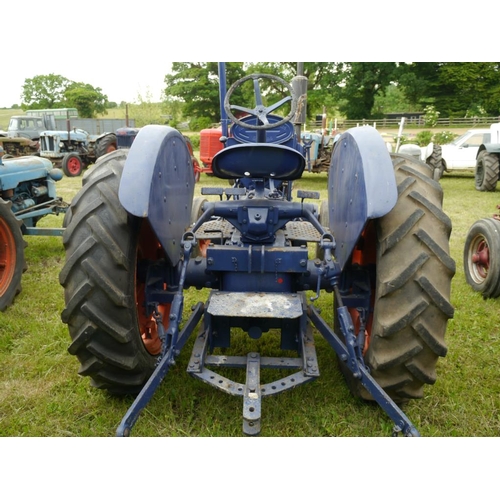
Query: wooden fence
(342, 124)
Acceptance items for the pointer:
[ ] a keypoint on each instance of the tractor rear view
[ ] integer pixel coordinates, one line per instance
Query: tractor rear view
(138, 238)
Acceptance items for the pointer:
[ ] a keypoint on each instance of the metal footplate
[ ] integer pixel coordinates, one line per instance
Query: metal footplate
(253, 391)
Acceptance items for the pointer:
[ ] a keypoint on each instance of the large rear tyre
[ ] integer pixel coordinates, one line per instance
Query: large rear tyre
(196, 212)
(413, 272)
(487, 170)
(482, 257)
(324, 220)
(435, 161)
(12, 261)
(113, 337)
(105, 145)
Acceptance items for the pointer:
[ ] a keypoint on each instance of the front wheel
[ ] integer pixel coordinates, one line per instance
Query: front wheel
(72, 165)
(482, 257)
(407, 254)
(105, 145)
(12, 261)
(115, 339)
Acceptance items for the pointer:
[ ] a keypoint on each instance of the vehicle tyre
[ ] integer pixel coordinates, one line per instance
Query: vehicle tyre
(487, 169)
(72, 165)
(435, 161)
(113, 337)
(324, 220)
(12, 261)
(196, 213)
(105, 145)
(412, 282)
(482, 257)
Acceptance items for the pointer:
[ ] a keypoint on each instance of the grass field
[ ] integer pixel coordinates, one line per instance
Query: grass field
(41, 393)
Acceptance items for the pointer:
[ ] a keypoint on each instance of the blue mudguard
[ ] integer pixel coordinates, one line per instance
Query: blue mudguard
(361, 186)
(158, 184)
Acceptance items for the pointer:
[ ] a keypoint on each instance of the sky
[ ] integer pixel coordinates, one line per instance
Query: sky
(126, 49)
(125, 55)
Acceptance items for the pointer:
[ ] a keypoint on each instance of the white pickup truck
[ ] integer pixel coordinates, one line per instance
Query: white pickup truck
(461, 154)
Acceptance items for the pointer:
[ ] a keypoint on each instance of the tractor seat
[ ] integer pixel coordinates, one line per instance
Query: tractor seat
(283, 134)
(258, 160)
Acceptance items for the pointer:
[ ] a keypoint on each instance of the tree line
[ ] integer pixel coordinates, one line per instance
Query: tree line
(353, 90)
(55, 91)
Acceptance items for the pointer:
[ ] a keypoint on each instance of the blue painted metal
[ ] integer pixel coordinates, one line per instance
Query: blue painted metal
(158, 184)
(354, 362)
(257, 262)
(361, 186)
(258, 160)
(222, 94)
(30, 184)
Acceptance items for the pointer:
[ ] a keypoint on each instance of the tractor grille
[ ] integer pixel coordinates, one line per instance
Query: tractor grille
(47, 143)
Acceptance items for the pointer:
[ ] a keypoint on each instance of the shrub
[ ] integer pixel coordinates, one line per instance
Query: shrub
(197, 124)
(195, 141)
(404, 139)
(423, 138)
(443, 137)
(430, 116)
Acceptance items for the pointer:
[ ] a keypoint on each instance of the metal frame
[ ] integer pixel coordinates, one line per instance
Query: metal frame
(257, 265)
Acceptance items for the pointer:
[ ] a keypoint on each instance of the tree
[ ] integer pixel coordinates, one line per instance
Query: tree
(468, 86)
(145, 112)
(361, 83)
(417, 81)
(56, 91)
(196, 84)
(323, 79)
(89, 101)
(44, 91)
(454, 88)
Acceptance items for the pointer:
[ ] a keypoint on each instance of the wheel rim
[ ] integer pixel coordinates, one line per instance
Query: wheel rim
(149, 249)
(365, 257)
(479, 259)
(7, 256)
(74, 166)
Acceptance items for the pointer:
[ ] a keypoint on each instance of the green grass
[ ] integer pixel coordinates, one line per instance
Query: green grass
(41, 393)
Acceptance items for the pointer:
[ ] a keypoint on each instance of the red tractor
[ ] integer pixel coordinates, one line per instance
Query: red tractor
(210, 145)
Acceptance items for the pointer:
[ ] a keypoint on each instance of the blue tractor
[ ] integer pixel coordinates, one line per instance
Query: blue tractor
(27, 194)
(138, 238)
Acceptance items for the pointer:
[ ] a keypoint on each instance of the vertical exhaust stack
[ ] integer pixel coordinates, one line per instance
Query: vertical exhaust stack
(299, 86)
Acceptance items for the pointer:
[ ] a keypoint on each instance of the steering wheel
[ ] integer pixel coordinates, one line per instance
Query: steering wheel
(260, 111)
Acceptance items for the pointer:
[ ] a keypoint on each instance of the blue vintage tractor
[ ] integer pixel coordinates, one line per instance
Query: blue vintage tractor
(74, 150)
(138, 238)
(27, 193)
